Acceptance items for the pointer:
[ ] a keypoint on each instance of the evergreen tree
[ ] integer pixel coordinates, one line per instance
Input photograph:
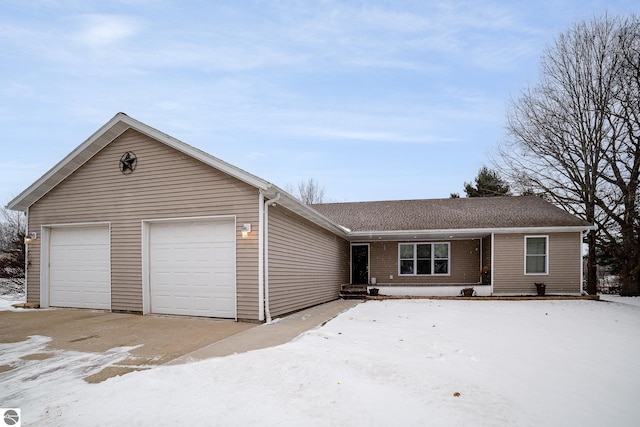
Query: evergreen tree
(487, 184)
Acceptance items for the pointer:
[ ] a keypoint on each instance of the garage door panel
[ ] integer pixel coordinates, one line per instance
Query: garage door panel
(79, 271)
(222, 306)
(192, 268)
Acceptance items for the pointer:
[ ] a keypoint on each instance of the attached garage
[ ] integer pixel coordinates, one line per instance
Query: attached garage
(79, 267)
(133, 220)
(191, 267)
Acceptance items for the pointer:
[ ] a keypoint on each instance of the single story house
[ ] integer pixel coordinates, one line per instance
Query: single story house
(134, 220)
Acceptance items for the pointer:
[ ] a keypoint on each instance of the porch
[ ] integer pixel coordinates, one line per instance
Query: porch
(355, 291)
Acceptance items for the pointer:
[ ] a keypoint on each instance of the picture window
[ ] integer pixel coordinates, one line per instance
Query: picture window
(424, 259)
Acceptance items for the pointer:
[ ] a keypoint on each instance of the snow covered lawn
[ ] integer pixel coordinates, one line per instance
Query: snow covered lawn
(403, 363)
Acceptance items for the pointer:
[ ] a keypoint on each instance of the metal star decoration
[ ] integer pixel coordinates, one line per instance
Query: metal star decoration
(128, 162)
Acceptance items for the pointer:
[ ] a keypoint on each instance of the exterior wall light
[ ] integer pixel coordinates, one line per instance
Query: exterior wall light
(246, 229)
(30, 237)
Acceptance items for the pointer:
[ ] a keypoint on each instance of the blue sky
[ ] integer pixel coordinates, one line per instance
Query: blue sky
(375, 100)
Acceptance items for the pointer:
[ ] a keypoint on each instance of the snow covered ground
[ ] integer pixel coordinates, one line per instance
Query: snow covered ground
(404, 363)
(622, 300)
(11, 291)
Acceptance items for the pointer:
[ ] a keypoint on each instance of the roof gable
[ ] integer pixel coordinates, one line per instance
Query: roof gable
(103, 137)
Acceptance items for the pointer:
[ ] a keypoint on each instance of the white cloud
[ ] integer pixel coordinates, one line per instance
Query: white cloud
(104, 30)
(371, 136)
(488, 35)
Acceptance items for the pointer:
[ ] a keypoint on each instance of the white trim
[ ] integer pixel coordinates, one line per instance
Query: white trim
(433, 259)
(189, 218)
(432, 290)
(77, 224)
(546, 255)
(368, 261)
(455, 234)
(493, 257)
(144, 245)
(45, 256)
(145, 224)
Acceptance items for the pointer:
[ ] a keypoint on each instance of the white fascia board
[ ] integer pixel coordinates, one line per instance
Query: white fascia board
(459, 233)
(69, 164)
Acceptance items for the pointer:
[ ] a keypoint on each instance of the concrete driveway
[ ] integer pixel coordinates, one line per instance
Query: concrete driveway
(134, 342)
(55, 345)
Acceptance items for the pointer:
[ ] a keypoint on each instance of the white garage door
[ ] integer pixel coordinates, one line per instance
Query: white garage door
(79, 267)
(192, 268)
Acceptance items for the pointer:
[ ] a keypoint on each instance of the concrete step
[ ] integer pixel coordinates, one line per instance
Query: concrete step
(353, 291)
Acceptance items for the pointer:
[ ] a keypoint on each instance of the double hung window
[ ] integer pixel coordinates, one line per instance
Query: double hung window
(536, 254)
(423, 259)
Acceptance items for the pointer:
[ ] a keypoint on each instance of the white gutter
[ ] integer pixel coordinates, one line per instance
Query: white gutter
(460, 232)
(266, 254)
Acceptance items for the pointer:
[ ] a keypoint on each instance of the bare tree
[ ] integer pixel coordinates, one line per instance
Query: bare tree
(308, 192)
(566, 135)
(13, 227)
(621, 177)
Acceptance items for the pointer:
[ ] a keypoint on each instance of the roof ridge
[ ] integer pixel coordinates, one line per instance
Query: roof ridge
(453, 199)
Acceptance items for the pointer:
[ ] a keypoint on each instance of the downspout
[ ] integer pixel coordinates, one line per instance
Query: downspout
(26, 258)
(260, 256)
(266, 254)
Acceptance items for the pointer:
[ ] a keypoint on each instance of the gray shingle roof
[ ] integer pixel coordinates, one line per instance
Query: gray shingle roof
(449, 214)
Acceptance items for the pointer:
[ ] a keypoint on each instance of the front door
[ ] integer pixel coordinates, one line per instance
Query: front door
(360, 264)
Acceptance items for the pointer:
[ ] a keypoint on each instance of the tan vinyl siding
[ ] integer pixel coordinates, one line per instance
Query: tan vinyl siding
(33, 266)
(307, 264)
(564, 265)
(165, 184)
(464, 264)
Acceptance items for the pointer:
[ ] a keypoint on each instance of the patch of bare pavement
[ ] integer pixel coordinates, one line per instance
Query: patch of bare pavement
(153, 340)
(125, 343)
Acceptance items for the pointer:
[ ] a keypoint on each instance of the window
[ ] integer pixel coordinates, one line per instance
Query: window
(535, 254)
(423, 259)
